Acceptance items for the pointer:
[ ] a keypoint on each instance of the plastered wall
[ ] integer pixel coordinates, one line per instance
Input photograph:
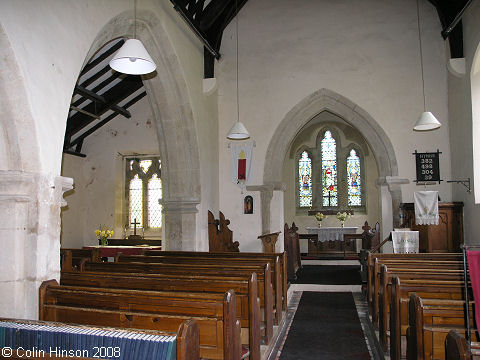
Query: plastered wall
(462, 128)
(366, 51)
(98, 196)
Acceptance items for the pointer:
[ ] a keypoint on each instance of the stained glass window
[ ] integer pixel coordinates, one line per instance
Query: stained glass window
(305, 180)
(136, 201)
(154, 208)
(354, 180)
(329, 170)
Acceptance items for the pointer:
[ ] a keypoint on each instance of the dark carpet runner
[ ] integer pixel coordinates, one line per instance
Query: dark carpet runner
(326, 326)
(329, 275)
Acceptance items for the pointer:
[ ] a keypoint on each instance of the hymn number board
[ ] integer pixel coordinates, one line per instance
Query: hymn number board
(428, 168)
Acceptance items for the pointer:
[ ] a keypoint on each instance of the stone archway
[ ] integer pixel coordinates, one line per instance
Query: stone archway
(168, 95)
(327, 100)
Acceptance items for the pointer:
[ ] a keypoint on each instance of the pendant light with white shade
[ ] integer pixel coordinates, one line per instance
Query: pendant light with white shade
(132, 58)
(426, 121)
(238, 130)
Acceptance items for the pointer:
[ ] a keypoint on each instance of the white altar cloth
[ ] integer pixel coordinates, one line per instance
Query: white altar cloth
(405, 242)
(331, 233)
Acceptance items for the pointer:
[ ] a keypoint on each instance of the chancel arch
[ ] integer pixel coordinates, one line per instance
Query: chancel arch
(345, 111)
(172, 115)
(475, 89)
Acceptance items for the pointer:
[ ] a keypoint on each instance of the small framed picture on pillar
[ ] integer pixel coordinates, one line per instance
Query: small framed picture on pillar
(248, 205)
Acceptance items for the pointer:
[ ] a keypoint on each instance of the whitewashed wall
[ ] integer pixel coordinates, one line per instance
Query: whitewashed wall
(98, 197)
(366, 51)
(47, 43)
(460, 108)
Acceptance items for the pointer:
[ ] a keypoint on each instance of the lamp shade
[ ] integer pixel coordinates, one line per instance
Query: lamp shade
(427, 121)
(132, 58)
(238, 132)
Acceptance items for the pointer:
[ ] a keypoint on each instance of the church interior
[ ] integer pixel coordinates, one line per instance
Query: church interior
(291, 166)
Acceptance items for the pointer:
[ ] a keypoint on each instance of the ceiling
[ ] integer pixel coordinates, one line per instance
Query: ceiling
(102, 94)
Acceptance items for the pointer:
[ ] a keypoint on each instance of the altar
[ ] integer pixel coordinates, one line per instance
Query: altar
(330, 241)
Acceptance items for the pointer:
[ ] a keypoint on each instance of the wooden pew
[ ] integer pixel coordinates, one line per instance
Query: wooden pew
(265, 290)
(430, 320)
(425, 270)
(215, 314)
(401, 291)
(456, 347)
(187, 340)
(453, 267)
(291, 246)
(382, 257)
(220, 237)
(198, 262)
(71, 258)
(245, 291)
(247, 255)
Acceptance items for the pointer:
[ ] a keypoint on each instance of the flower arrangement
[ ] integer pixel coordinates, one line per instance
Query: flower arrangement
(342, 217)
(319, 216)
(103, 234)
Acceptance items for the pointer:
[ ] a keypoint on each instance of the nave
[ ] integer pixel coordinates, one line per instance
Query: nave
(327, 316)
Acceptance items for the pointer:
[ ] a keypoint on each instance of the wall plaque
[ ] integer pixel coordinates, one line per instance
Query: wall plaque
(427, 165)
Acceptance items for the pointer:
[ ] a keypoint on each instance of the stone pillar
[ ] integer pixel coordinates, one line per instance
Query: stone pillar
(394, 186)
(30, 238)
(266, 195)
(180, 223)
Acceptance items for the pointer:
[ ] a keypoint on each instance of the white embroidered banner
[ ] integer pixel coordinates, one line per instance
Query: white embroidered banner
(426, 207)
(241, 155)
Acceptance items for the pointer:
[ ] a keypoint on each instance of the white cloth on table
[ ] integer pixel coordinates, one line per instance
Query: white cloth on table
(331, 233)
(426, 207)
(405, 242)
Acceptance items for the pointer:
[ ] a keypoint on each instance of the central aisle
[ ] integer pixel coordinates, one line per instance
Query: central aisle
(326, 326)
(327, 316)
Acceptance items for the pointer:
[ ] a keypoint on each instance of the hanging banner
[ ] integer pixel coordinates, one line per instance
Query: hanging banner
(241, 155)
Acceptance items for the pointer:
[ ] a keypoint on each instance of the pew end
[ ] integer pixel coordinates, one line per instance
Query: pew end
(456, 347)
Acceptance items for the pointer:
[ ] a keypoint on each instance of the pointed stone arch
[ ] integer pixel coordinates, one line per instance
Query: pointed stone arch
(19, 151)
(327, 100)
(168, 96)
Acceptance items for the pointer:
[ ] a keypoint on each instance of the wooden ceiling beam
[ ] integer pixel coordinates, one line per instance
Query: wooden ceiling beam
(96, 76)
(100, 86)
(116, 94)
(95, 97)
(213, 11)
(102, 57)
(90, 131)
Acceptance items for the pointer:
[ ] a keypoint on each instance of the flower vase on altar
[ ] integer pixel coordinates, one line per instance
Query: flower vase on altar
(103, 234)
(342, 217)
(319, 216)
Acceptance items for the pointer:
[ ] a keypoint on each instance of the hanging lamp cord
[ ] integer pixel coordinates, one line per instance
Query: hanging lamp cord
(421, 55)
(236, 31)
(134, 19)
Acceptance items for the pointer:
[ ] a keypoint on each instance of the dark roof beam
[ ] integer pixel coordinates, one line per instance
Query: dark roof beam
(195, 28)
(96, 76)
(102, 57)
(213, 11)
(116, 94)
(95, 97)
(100, 86)
(106, 120)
